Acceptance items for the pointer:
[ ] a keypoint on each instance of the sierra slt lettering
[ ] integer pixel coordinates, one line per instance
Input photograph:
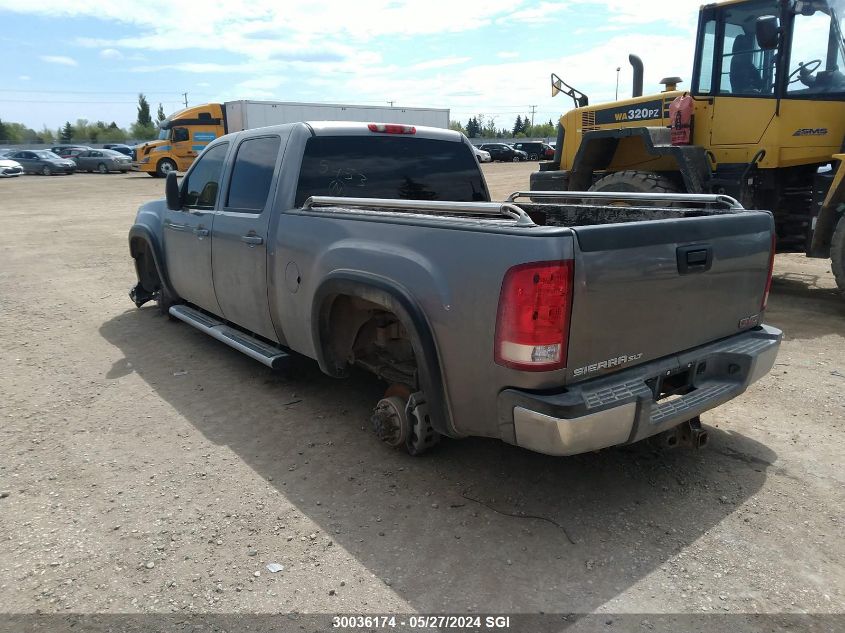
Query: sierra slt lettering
(610, 362)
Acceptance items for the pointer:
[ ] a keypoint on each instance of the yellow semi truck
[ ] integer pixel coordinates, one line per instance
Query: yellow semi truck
(184, 134)
(764, 123)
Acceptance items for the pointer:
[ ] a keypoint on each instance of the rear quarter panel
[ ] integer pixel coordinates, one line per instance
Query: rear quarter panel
(452, 270)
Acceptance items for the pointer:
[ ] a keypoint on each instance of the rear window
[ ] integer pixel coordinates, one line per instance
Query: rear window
(406, 168)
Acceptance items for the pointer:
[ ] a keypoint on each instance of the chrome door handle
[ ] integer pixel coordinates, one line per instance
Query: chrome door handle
(201, 232)
(252, 240)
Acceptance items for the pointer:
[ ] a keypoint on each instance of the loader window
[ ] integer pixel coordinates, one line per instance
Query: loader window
(816, 62)
(707, 56)
(742, 67)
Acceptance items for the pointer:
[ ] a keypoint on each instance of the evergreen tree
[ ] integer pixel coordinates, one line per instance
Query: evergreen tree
(161, 116)
(144, 119)
(4, 132)
(517, 126)
(473, 128)
(66, 134)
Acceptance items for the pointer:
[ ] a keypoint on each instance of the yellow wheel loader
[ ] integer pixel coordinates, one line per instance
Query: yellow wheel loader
(763, 121)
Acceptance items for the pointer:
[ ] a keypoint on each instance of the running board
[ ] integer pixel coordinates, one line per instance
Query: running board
(241, 341)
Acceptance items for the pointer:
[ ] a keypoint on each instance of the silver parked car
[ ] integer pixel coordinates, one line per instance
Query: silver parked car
(101, 160)
(9, 168)
(42, 161)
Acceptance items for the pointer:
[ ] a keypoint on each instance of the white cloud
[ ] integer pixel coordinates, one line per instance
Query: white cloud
(24, 77)
(441, 63)
(111, 53)
(59, 59)
(341, 51)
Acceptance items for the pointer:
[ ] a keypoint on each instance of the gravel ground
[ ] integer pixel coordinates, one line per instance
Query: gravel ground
(147, 468)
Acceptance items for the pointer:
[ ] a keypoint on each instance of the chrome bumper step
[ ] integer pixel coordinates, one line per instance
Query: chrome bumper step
(241, 341)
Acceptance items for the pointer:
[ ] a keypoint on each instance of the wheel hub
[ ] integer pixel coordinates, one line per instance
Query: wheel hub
(390, 422)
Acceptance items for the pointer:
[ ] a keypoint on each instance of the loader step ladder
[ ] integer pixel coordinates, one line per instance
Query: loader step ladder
(246, 344)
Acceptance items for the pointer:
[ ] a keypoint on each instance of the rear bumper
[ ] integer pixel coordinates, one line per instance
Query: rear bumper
(621, 408)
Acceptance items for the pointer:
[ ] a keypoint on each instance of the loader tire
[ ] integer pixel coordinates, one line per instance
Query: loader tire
(837, 253)
(636, 182)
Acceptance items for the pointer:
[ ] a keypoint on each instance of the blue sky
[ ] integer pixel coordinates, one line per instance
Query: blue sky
(72, 59)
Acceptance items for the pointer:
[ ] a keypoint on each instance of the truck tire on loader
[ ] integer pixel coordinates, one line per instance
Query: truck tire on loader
(635, 182)
(837, 253)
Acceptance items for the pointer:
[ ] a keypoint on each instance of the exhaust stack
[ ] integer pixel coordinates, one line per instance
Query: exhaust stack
(637, 64)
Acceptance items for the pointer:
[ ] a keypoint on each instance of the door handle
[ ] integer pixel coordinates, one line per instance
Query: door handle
(176, 227)
(201, 232)
(252, 240)
(694, 259)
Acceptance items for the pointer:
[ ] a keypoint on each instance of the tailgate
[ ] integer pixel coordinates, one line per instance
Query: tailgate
(645, 290)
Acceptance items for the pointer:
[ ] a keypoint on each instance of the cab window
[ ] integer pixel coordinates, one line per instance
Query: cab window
(730, 61)
(200, 187)
(252, 173)
(180, 134)
(816, 62)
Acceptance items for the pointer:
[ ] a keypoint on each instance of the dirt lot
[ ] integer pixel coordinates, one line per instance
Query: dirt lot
(148, 468)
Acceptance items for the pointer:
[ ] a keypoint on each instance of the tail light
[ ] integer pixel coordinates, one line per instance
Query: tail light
(769, 276)
(392, 128)
(532, 324)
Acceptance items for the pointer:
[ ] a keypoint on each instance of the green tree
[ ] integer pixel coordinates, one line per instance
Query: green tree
(143, 132)
(473, 128)
(66, 135)
(489, 130)
(4, 132)
(160, 115)
(517, 126)
(457, 127)
(46, 135)
(144, 118)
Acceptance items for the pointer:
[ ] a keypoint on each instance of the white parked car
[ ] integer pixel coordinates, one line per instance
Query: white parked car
(481, 155)
(9, 168)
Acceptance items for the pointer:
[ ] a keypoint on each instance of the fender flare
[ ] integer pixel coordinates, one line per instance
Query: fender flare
(143, 233)
(399, 301)
(598, 148)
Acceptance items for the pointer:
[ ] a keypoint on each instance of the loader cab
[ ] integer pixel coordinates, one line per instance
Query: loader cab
(769, 49)
(761, 59)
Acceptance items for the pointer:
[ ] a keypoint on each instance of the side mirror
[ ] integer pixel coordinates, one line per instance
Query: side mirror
(172, 193)
(768, 32)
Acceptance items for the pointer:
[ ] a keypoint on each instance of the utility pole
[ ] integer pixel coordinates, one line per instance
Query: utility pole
(533, 109)
(391, 103)
(185, 94)
(618, 68)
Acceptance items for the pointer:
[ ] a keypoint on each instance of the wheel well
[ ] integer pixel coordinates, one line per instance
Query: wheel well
(377, 325)
(602, 148)
(367, 334)
(145, 266)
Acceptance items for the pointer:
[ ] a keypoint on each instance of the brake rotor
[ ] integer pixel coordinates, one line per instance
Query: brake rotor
(390, 422)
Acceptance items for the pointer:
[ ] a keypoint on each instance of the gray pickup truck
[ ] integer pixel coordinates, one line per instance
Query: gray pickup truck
(562, 325)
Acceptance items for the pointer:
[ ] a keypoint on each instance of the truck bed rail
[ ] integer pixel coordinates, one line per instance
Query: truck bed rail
(611, 196)
(491, 209)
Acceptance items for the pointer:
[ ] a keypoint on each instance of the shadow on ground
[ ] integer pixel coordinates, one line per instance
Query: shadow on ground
(608, 519)
(803, 309)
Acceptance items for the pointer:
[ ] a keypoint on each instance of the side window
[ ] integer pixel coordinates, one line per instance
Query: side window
(707, 55)
(746, 69)
(816, 61)
(199, 189)
(253, 173)
(180, 134)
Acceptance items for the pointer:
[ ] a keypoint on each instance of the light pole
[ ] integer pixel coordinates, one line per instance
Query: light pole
(618, 68)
